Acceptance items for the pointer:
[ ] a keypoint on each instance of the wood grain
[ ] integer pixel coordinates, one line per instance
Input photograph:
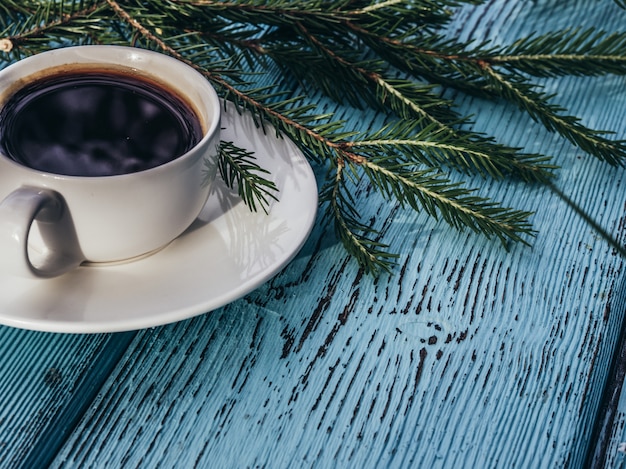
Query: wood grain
(466, 356)
(46, 382)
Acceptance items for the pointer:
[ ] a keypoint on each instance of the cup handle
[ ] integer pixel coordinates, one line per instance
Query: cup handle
(18, 211)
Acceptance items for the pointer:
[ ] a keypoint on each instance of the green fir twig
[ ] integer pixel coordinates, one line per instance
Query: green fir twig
(240, 172)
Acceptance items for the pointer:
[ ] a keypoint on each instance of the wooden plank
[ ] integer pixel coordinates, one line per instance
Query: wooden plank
(607, 449)
(46, 381)
(466, 356)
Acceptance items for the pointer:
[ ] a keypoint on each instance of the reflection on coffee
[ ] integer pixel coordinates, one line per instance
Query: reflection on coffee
(96, 123)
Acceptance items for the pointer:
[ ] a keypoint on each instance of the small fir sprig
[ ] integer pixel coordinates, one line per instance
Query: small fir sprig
(391, 56)
(239, 170)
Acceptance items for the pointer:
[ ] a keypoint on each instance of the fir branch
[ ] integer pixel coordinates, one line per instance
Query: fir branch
(43, 23)
(536, 104)
(357, 238)
(417, 103)
(240, 172)
(436, 146)
(421, 189)
(586, 53)
(390, 56)
(474, 70)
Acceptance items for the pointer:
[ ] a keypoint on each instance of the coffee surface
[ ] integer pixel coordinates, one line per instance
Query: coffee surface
(96, 124)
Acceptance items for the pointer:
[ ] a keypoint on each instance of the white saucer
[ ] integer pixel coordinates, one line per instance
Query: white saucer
(225, 254)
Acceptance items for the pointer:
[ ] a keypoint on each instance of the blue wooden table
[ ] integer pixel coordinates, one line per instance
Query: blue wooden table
(464, 356)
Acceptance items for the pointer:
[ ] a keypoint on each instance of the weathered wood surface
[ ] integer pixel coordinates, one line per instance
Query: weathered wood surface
(466, 356)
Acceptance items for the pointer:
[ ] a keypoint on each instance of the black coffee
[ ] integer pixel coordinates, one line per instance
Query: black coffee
(96, 123)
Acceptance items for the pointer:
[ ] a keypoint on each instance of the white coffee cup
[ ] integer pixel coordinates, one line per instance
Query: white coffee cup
(51, 223)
